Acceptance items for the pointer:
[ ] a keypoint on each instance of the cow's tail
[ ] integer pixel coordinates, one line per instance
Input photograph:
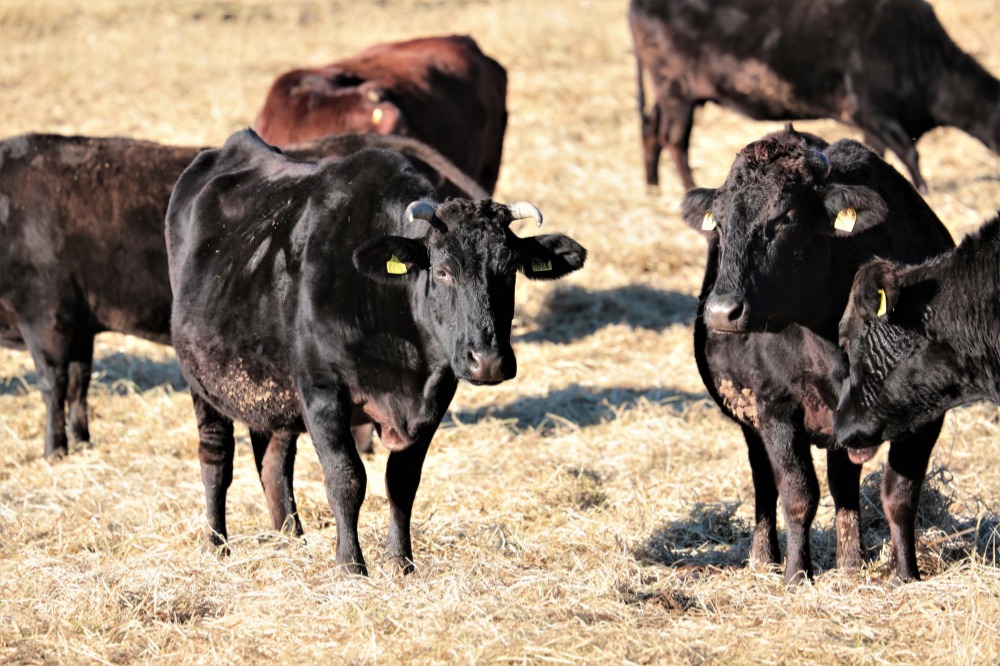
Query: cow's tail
(432, 158)
(347, 144)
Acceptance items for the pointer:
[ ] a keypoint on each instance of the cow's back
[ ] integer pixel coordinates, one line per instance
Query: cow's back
(82, 224)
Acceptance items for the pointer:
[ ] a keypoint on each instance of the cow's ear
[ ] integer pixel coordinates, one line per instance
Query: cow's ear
(696, 209)
(853, 208)
(391, 259)
(876, 289)
(549, 256)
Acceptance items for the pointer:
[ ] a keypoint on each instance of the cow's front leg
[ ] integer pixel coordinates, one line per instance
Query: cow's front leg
(402, 476)
(791, 459)
(51, 349)
(764, 549)
(844, 478)
(901, 485)
(216, 448)
(327, 412)
(274, 454)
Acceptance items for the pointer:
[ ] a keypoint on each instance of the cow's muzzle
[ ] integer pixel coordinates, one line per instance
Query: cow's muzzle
(488, 366)
(726, 314)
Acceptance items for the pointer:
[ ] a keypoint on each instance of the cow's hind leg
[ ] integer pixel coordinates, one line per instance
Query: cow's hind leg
(216, 448)
(791, 459)
(80, 365)
(675, 133)
(764, 549)
(402, 476)
(274, 454)
(844, 478)
(51, 349)
(901, 485)
(328, 418)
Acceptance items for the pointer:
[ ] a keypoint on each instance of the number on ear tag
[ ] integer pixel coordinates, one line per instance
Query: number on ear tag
(377, 116)
(540, 265)
(845, 220)
(881, 303)
(708, 222)
(394, 266)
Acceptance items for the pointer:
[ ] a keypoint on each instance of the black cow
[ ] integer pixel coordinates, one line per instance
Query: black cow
(310, 295)
(786, 233)
(82, 249)
(888, 68)
(921, 339)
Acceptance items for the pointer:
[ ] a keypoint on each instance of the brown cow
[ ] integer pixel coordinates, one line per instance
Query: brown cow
(441, 90)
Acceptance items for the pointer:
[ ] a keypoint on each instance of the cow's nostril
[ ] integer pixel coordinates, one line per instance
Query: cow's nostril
(725, 313)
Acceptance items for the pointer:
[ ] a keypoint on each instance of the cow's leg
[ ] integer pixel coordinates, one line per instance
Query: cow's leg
(873, 141)
(844, 478)
(328, 418)
(362, 434)
(651, 146)
(50, 350)
(901, 485)
(765, 548)
(216, 448)
(81, 362)
(791, 459)
(402, 476)
(675, 128)
(899, 141)
(274, 454)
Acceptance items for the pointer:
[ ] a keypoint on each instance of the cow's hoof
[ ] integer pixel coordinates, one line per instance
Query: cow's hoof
(57, 454)
(216, 546)
(797, 578)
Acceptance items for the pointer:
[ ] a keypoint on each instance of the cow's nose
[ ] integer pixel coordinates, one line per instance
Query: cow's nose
(487, 365)
(725, 313)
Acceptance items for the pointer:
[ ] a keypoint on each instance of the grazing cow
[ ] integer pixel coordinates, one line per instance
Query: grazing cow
(82, 249)
(921, 340)
(786, 233)
(307, 296)
(442, 90)
(888, 68)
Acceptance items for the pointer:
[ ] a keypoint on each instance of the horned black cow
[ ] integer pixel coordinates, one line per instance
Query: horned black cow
(306, 295)
(888, 68)
(441, 90)
(786, 233)
(82, 249)
(921, 339)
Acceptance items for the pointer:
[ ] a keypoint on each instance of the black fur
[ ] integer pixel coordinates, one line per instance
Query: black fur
(937, 345)
(776, 283)
(888, 68)
(279, 323)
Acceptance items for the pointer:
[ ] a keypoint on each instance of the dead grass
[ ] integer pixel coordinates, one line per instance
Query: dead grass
(595, 510)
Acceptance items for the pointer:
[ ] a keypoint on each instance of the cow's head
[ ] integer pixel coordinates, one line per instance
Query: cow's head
(775, 219)
(901, 376)
(462, 273)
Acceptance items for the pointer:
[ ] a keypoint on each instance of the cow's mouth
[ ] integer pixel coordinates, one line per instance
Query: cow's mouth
(484, 382)
(860, 456)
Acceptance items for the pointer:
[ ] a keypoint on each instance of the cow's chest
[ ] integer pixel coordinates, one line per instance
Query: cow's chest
(763, 377)
(410, 410)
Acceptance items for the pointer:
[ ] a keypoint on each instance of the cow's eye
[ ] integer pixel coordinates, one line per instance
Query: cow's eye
(441, 274)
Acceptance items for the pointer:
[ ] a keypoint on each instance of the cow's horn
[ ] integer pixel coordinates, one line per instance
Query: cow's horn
(820, 163)
(520, 210)
(420, 210)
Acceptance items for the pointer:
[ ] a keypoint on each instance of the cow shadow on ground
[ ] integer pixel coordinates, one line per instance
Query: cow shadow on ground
(951, 529)
(571, 312)
(118, 373)
(575, 406)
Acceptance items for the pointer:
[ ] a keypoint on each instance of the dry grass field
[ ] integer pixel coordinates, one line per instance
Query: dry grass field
(597, 509)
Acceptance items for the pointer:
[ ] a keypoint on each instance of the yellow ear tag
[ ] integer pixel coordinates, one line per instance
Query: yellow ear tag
(394, 266)
(845, 220)
(377, 116)
(708, 222)
(881, 303)
(541, 265)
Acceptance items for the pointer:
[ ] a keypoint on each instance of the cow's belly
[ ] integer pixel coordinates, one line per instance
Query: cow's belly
(244, 388)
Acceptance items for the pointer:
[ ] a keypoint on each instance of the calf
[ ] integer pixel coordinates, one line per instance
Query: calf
(441, 90)
(307, 296)
(67, 203)
(888, 68)
(786, 232)
(921, 339)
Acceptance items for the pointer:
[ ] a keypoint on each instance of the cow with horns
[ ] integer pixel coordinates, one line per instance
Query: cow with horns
(310, 296)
